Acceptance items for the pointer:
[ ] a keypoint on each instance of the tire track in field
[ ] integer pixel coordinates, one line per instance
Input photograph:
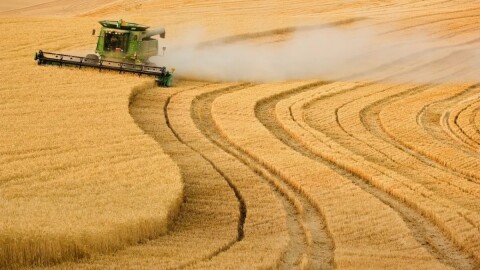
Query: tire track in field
(445, 125)
(392, 164)
(369, 116)
(474, 138)
(425, 232)
(197, 197)
(429, 129)
(244, 180)
(439, 245)
(241, 203)
(371, 121)
(433, 118)
(384, 155)
(313, 249)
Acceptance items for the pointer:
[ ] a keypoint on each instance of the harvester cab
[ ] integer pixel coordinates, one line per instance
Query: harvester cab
(127, 42)
(121, 46)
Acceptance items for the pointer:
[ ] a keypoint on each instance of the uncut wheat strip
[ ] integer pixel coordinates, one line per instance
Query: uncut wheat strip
(373, 174)
(265, 239)
(408, 130)
(355, 136)
(311, 250)
(80, 200)
(206, 224)
(337, 198)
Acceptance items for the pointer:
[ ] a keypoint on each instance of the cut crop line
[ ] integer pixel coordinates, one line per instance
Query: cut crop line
(372, 111)
(376, 127)
(421, 228)
(382, 152)
(241, 203)
(143, 104)
(446, 104)
(454, 126)
(439, 136)
(310, 221)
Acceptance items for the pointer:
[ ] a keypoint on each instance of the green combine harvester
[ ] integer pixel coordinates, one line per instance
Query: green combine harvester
(122, 46)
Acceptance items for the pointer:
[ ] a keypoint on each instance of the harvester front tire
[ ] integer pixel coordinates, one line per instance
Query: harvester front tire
(92, 58)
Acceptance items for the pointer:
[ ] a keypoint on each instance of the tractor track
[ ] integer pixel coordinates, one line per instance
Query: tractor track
(371, 121)
(241, 203)
(439, 245)
(395, 165)
(432, 130)
(422, 229)
(472, 141)
(446, 104)
(193, 195)
(430, 111)
(309, 238)
(369, 116)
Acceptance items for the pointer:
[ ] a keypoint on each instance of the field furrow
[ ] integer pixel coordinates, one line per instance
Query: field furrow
(458, 159)
(309, 245)
(346, 119)
(238, 123)
(436, 118)
(206, 224)
(458, 122)
(476, 121)
(440, 246)
(296, 135)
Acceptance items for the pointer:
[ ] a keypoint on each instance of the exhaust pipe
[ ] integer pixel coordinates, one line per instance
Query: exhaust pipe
(154, 32)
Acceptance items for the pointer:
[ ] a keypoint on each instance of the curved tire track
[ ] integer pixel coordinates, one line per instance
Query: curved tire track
(313, 249)
(424, 230)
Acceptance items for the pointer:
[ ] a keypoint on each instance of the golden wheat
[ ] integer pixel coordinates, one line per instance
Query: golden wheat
(235, 117)
(77, 176)
(344, 174)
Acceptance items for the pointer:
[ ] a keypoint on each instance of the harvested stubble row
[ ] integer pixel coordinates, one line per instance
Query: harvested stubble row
(437, 119)
(206, 232)
(77, 177)
(344, 116)
(291, 115)
(476, 121)
(410, 131)
(265, 236)
(309, 243)
(457, 121)
(430, 189)
(384, 236)
(207, 221)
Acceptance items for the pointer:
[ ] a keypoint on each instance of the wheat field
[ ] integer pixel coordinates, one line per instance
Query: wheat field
(358, 148)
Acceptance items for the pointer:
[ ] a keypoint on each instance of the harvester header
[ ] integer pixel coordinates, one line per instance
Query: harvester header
(121, 46)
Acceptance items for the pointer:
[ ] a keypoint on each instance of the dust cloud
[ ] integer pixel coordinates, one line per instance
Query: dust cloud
(328, 53)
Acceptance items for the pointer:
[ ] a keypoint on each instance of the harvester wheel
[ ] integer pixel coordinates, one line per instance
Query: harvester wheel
(92, 58)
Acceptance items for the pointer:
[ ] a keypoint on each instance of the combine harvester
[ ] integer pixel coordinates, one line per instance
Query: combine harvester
(121, 46)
